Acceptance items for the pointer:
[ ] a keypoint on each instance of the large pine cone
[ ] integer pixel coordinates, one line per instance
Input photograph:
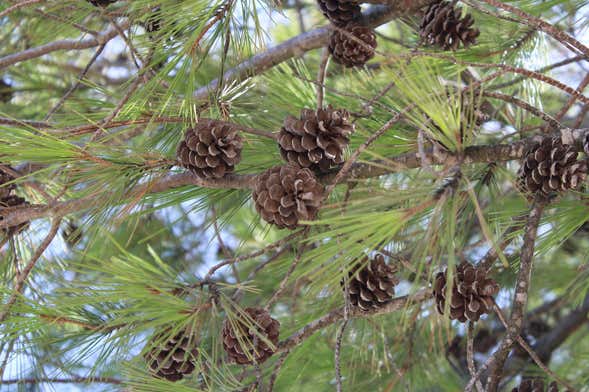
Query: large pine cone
(12, 202)
(211, 149)
(443, 26)
(535, 385)
(101, 3)
(285, 195)
(472, 293)
(551, 166)
(352, 52)
(373, 286)
(5, 91)
(340, 12)
(245, 346)
(174, 358)
(317, 139)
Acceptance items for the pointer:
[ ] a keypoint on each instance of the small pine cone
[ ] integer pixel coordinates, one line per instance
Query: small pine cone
(443, 26)
(340, 12)
(13, 202)
(551, 166)
(172, 359)
(317, 139)
(535, 385)
(5, 189)
(101, 3)
(242, 344)
(5, 91)
(211, 149)
(472, 292)
(373, 286)
(285, 195)
(352, 52)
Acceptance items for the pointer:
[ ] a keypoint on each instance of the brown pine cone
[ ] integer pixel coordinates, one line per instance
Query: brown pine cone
(317, 139)
(373, 286)
(172, 359)
(101, 3)
(5, 189)
(340, 12)
(5, 91)
(443, 26)
(472, 292)
(13, 202)
(535, 385)
(245, 346)
(285, 195)
(211, 149)
(551, 166)
(352, 46)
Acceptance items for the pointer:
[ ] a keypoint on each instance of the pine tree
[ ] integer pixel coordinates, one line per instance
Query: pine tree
(314, 195)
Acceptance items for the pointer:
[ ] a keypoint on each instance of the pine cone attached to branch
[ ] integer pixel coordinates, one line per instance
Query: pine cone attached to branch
(317, 139)
(172, 359)
(211, 149)
(249, 340)
(551, 166)
(372, 286)
(535, 385)
(285, 195)
(340, 12)
(472, 293)
(443, 26)
(13, 202)
(353, 45)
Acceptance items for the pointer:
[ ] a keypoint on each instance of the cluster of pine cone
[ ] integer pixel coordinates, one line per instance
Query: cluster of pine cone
(283, 195)
(249, 338)
(9, 201)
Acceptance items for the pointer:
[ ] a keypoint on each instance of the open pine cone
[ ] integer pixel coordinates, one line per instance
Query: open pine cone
(373, 286)
(245, 346)
(172, 359)
(285, 195)
(535, 385)
(317, 139)
(352, 46)
(211, 149)
(472, 293)
(443, 26)
(551, 166)
(340, 12)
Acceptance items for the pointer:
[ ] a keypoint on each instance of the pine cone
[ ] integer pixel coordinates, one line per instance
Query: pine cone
(472, 293)
(317, 140)
(242, 344)
(352, 52)
(535, 385)
(5, 190)
(211, 149)
(173, 359)
(284, 195)
(443, 26)
(5, 91)
(551, 166)
(101, 3)
(373, 286)
(12, 202)
(340, 12)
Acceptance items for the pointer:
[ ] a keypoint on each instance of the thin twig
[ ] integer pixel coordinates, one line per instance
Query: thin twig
(470, 354)
(321, 77)
(338, 349)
